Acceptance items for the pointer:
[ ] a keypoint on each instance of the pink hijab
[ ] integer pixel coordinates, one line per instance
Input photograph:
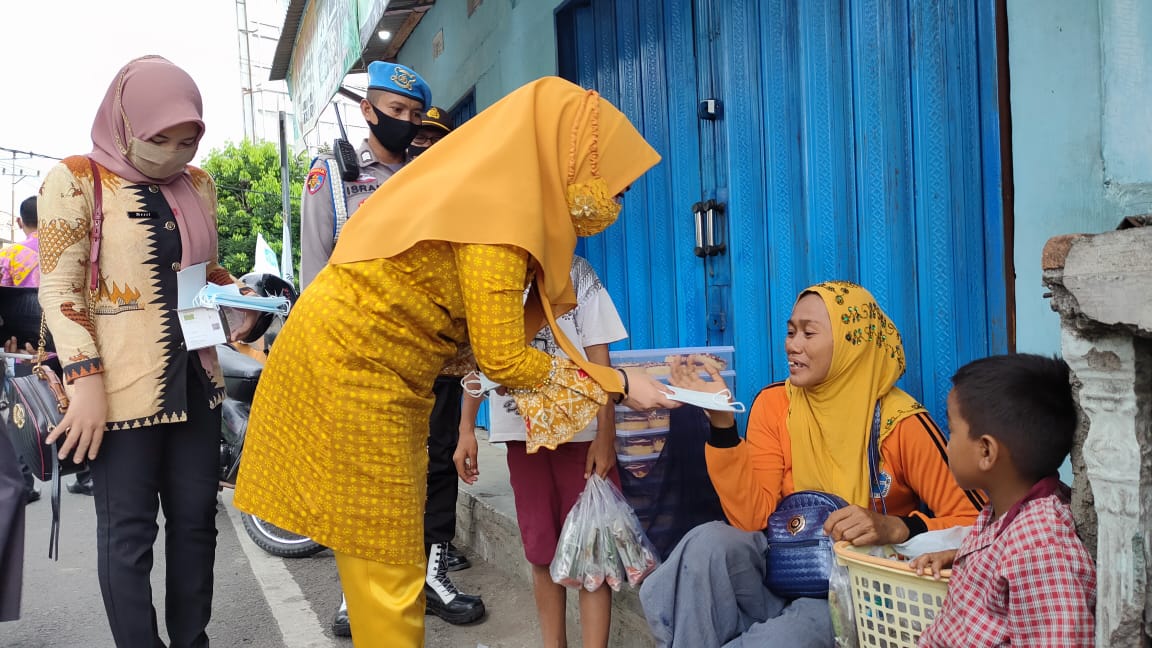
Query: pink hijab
(148, 95)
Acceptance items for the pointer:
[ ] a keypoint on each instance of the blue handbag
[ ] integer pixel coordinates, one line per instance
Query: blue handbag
(799, 556)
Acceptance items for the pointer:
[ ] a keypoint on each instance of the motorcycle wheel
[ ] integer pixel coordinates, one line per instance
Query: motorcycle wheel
(279, 542)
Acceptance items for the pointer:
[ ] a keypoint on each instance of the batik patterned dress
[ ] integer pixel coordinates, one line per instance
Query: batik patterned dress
(20, 263)
(336, 445)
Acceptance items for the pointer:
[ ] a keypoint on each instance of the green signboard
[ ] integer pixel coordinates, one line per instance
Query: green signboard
(327, 45)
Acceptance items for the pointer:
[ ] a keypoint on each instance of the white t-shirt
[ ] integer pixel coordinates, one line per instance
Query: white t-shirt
(593, 321)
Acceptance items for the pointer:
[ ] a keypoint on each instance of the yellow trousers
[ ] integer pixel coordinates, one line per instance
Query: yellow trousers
(385, 602)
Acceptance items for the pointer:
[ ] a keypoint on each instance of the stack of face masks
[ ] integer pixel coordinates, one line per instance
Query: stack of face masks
(214, 296)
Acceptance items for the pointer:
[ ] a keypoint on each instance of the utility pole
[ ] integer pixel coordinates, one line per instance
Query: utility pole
(246, 86)
(16, 173)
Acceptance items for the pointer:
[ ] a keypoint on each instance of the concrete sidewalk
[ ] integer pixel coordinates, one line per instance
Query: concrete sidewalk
(486, 525)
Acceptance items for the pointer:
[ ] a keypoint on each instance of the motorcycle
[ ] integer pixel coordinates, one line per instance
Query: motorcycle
(241, 365)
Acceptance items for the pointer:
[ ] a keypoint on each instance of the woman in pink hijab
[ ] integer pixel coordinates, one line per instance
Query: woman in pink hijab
(117, 226)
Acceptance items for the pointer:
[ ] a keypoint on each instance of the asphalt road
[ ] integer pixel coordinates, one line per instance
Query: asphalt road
(260, 601)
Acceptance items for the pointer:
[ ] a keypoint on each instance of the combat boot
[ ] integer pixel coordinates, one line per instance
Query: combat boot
(443, 599)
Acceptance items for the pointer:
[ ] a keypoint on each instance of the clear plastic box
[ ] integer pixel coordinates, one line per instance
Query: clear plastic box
(641, 442)
(655, 361)
(637, 465)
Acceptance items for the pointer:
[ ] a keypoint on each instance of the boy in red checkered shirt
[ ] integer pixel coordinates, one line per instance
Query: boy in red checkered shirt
(1021, 577)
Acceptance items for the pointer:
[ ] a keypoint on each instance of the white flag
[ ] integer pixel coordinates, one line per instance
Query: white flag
(286, 272)
(265, 258)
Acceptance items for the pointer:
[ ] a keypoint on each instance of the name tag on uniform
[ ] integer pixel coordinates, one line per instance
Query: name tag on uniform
(141, 214)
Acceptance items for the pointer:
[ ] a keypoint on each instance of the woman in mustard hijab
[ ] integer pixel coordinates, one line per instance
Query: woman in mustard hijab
(810, 432)
(336, 442)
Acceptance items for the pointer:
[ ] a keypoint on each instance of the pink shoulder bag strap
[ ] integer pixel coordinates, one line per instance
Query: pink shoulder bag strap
(97, 233)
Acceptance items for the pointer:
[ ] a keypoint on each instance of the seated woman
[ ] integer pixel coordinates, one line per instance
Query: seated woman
(810, 432)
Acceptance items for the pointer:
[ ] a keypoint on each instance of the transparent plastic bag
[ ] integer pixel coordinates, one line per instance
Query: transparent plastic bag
(567, 564)
(840, 607)
(602, 542)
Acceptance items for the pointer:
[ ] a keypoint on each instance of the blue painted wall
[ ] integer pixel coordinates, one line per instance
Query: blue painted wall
(1082, 123)
(501, 46)
(1054, 57)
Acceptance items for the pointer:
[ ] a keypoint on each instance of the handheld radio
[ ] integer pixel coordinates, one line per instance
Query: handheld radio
(345, 153)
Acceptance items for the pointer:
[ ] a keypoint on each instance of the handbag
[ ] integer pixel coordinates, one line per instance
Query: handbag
(36, 403)
(799, 557)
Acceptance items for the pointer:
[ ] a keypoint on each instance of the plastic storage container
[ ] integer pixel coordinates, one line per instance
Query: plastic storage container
(893, 605)
(655, 361)
(639, 466)
(640, 442)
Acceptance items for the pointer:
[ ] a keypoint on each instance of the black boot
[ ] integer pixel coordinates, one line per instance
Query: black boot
(443, 599)
(456, 559)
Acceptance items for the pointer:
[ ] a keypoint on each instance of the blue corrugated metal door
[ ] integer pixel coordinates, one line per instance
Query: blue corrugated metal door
(856, 139)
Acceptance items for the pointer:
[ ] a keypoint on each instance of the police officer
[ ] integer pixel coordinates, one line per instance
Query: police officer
(394, 111)
(435, 126)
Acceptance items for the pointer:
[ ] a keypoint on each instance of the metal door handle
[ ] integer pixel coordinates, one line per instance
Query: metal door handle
(697, 215)
(709, 227)
(713, 245)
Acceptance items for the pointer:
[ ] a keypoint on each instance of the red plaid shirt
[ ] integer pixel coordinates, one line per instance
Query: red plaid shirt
(1022, 580)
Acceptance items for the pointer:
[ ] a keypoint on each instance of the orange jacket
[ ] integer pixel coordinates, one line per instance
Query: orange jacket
(755, 474)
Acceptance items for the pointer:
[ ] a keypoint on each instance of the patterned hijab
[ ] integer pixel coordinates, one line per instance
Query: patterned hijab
(830, 424)
(507, 177)
(149, 95)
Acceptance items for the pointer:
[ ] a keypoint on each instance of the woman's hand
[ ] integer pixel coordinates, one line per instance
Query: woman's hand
(686, 375)
(601, 456)
(933, 563)
(465, 456)
(645, 393)
(12, 346)
(83, 425)
(861, 526)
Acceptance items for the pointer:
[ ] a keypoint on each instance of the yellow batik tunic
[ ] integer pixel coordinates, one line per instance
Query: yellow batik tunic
(336, 445)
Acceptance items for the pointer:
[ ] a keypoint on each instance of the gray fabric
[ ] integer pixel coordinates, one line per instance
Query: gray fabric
(710, 593)
(11, 530)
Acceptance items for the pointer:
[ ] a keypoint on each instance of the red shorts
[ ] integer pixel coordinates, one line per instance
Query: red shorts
(546, 485)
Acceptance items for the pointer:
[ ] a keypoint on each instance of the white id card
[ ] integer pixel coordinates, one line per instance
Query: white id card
(202, 327)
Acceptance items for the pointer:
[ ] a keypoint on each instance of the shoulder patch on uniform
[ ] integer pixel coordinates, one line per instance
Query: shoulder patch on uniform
(316, 179)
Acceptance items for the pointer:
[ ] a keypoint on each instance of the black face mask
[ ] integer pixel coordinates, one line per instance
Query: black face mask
(414, 151)
(393, 134)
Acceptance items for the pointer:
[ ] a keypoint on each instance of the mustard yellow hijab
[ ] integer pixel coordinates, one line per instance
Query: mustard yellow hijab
(830, 424)
(506, 178)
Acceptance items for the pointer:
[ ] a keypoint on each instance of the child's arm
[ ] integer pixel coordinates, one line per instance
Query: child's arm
(933, 563)
(1051, 596)
(602, 452)
(466, 448)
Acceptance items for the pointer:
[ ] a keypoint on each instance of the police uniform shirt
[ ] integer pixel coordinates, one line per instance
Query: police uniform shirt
(318, 213)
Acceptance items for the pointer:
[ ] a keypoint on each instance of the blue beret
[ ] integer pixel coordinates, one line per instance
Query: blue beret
(394, 77)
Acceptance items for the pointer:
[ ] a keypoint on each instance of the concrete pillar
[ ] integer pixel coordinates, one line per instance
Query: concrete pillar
(1102, 288)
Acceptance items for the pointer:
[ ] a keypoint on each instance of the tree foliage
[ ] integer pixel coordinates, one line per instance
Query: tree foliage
(248, 192)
